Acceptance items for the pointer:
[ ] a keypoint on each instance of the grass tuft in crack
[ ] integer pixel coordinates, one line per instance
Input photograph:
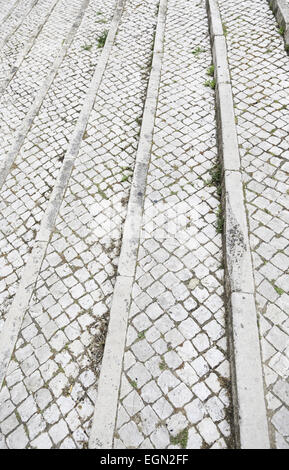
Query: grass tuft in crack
(181, 439)
(101, 40)
(278, 289)
(220, 220)
(281, 30)
(87, 47)
(198, 50)
(211, 71)
(210, 83)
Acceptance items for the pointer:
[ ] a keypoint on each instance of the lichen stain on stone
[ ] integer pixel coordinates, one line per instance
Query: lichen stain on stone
(236, 246)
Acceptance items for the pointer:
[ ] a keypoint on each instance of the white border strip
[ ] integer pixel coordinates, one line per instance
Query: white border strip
(250, 415)
(12, 325)
(102, 432)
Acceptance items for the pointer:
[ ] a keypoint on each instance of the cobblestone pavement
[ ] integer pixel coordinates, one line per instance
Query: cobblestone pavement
(67, 317)
(260, 78)
(175, 387)
(175, 366)
(29, 184)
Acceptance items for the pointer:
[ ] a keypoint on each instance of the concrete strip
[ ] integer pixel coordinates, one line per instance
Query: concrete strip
(215, 23)
(281, 11)
(6, 38)
(105, 413)
(238, 256)
(251, 426)
(31, 271)
(102, 432)
(227, 134)
(220, 59)
(248, 373)
(29, 118)
(27, 48)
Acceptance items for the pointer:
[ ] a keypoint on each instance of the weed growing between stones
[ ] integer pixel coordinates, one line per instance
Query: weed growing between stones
(181, 439)
(87, 47)
(210, 83)
(211, 71)
(198, 50)
(101, 40)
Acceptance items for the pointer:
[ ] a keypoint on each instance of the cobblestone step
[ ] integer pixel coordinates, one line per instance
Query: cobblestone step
(260, 81)
(15, 20)
(7, 9)
(113, 276)
(29, 184)
(174, 382)
(86, 256)
(32, 80)
(20, 44)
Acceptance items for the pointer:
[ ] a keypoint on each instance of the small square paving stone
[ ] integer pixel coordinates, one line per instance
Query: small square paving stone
(189, 328)
(140, 374)
(195, 411)
(201, 391)
(201, 342)
(194, 440)
(150, 392)
(42, 442)
(163, 408)
(277, 338)
(281, 421)
(149, 420)
(174, 338)
(177, 423)
(133, 403)
(52, 414)
(200, 366)
(172, 360)
(35, 426)
(215, 409)
(27, 409)
(281, 389)
(180, 396)
(208, 431)
(142, 350)
(58, 383)
(154, 311)
(130, 435)
(214, 357)
(167, 381)
(164, 324)
(141, 322)
(187, 375)
(186, 351)
(59, 431)
(9, 424)
(18, 393)
(160, 438)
